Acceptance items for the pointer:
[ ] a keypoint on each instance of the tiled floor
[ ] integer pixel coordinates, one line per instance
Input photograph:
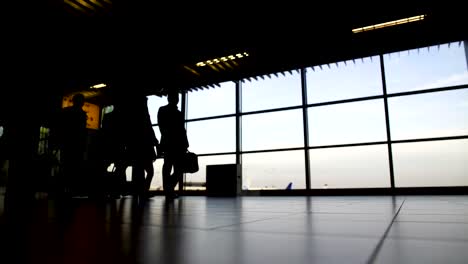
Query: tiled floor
(195, 229)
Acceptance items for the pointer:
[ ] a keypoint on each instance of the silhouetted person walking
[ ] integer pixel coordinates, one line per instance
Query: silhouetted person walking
(140, 145)
(72, 136)
(113, 150)
(174, 143)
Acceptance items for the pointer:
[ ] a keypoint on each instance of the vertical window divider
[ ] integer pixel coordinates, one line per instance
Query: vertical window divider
(387, 121)
(184, 104)
(305, 120)
(238, 122)
(465, 43)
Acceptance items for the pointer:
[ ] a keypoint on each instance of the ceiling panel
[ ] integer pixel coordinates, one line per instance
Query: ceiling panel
(75, 43)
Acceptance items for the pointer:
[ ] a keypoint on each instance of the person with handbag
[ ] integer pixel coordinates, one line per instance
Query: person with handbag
(112, 141)
(173, 143)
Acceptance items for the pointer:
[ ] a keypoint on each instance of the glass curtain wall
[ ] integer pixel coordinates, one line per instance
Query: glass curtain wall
(211, 130)
(386, 121)
(428, 108)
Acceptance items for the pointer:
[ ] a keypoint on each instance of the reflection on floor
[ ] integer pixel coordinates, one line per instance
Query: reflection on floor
(195, 229)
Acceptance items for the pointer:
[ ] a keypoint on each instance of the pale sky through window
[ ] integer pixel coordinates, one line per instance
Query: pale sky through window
(437, 114)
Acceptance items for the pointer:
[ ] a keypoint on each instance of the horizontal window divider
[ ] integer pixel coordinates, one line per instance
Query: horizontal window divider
(449, 88)
(335, 146)
(272, 110)
(357, 144)
(216, 154)
(437, 190)
(384, 191)
(429, 139)
(347, 100)
(209, 118)
(271, 150)
(349, 145)
(432, 90)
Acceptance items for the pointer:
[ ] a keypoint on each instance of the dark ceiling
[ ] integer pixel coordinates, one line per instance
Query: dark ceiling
(150, 47)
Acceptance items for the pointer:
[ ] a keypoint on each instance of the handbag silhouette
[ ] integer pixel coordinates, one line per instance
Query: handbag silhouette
(190, 162)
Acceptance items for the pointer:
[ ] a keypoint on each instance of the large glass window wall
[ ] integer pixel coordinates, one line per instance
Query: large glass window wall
(386, 121)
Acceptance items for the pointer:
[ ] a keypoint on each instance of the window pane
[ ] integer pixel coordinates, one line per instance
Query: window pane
(155, 102)
(282, 129)
(425, 68)
(437, 163)
(429, 115)
(156, 182)
(275, 92)
(197, 181)
(344, 80)
(212, 102)
(128, 173)
(212, 136)
(273, 170)
(157, 133)
(347, 123)
(350, 167)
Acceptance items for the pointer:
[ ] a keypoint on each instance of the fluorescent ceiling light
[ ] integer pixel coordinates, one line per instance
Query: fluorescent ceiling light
(221, 60)
(390, 23)
(89, 6)
(97, 86)
(85, 4)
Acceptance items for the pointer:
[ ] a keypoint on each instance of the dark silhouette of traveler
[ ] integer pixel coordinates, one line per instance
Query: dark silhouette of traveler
(113, 150)
(72, 137)
(174, 143)
(140, 143)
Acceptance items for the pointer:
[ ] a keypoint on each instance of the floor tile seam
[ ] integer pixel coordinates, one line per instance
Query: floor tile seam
(397, 237)
(237, 213)
(301, 234)
(312, 212)
(372, 258)
(432, 222)
(411, 213)
(246, 222)
(210, 228)
(168, 226)
(254, 221)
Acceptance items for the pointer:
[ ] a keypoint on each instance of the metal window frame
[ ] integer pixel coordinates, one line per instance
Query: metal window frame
(305, 106)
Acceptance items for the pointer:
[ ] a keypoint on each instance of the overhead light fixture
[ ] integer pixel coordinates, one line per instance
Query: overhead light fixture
(98, 86)
(89, 6)
(74, 5)
(389, 24)
(191, 70)
(222, 60)
(85, 4)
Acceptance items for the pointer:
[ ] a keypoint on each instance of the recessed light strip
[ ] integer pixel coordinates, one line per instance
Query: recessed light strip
(390, 23)
(97, 86)
(222, 59)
